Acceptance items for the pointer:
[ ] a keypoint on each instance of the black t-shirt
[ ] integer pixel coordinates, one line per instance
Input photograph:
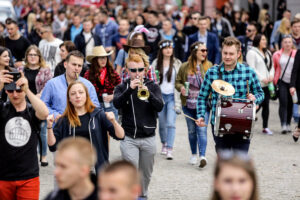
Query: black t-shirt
(18, 143)
(31, 76)
(83, 130)
(153, 38)
(189, 30)
(17, 47)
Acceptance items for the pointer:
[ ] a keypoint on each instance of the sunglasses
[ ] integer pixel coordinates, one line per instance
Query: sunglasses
(12, 91)
(134, 70)
(203, 50)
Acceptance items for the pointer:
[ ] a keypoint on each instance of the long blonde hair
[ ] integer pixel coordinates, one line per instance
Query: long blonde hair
(282, 28)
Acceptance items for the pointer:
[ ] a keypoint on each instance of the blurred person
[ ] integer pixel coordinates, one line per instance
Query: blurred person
(193, 71)
(283, 63)
(74, 29)
(281, 7)
(266, 25)
(2, 29)
(139, 20)
(247, 40)
(208, 38)
(37, 74)
(295, 88)
(72, 170)
(104, 78)
(65, 48)
(232, 72)
(87, 40)
(49, 17)
(138, 118)
(49, 47)
(178, 39)
(82, 118)
(55, 91)
(286, 15)
(119, 180)
(120, 38)
(295, 27)
(153, 37)
(60, 24)
(168, 66)
(234, 177)
(18, 6)
(106, 29)
(20, 127)
(284, 29)
(242, 25)
(5, 59)
(235, 21)
(15, 42)
(30, 23)
(34, 36)
(260, 59)
(221, 26)
(253, 10)
(193, 27)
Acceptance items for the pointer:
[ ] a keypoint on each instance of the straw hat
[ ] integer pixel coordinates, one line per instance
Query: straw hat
(137, 43)
(98, 51)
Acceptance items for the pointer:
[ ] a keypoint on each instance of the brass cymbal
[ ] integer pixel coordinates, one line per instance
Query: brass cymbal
(223, 87)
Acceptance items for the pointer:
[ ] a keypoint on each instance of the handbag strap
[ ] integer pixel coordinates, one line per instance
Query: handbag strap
(286, 65)
(197, 77)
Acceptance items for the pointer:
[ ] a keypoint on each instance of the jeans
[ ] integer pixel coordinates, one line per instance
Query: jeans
(167, 119)
(44, 137)
(197, 135)
(231, 142)
(111, 108)
(296, 112)
(285, 104)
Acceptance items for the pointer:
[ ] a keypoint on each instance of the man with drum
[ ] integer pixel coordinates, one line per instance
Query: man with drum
(245, 86)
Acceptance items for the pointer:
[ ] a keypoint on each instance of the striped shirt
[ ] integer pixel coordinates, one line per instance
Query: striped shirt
(237, 77)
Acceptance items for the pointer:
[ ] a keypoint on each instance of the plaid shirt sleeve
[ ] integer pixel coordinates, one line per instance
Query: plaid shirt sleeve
(256, 89)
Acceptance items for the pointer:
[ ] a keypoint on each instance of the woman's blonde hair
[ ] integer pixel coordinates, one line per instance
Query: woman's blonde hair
(42, 62)
(70, 111)
(30, 22)
(283, 29)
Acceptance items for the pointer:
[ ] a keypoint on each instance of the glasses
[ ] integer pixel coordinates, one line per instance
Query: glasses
(249, 30)
(203, 50)
(12, 91)
(195, 18)
(33, 55)
(134, 70)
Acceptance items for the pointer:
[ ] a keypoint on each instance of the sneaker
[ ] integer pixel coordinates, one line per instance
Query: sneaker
(193, 160)
(288, 129)
(163, 150)
(203, 162)
(169, 154)
(283, 129)
(267, 131)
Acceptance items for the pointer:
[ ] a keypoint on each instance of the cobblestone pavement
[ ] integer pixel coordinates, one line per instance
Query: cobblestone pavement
(276, 158)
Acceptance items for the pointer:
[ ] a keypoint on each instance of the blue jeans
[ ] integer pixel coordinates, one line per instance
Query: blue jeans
(167, 119)
(110, 109)
(44, 137)
(196, 134)
(295, 112)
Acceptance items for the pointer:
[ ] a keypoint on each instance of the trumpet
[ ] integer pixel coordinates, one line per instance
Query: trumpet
(143, 94)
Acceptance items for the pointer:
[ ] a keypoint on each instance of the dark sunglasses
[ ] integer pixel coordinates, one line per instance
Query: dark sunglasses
(134, 70)
(203, 50)
(12, 91)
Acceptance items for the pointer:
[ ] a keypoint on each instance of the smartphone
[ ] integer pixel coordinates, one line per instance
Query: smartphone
(16, 75)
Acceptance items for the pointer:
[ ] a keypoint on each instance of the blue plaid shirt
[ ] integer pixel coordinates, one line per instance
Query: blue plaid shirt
(237, 77)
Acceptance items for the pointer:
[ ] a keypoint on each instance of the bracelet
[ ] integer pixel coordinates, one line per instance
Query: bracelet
(49, 128)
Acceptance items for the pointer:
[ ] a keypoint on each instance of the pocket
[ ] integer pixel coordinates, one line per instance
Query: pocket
(150, 129)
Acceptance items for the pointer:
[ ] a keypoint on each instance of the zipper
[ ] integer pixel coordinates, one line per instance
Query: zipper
(135, 129)
(93, 169)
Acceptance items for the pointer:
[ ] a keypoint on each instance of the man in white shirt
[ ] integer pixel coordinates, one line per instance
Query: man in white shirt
(49, 47)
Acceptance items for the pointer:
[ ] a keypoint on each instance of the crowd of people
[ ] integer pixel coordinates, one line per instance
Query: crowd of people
(71, 77)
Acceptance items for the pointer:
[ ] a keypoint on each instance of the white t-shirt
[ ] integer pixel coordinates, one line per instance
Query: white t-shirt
(168, 87)
(89, 46)
(288, 72)
(50, 52)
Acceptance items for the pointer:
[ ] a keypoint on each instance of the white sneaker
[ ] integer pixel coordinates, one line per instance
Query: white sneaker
(169, 155)
(267, 131)
(288, 128)
(163, 150)
(203, 162)
(283, 129)
(193, 160)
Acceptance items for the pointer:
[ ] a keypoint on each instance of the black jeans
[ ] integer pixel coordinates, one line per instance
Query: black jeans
(265, 107)
(231, 142)
(285, 104)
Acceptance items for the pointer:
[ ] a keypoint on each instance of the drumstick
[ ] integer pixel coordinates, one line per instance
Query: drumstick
(247, 88)
(191, 118)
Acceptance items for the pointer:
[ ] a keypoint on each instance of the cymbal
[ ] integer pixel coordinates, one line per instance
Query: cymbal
(223, 87)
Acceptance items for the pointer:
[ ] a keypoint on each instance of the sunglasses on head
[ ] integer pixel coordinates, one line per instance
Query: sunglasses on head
(11, 91)
(133, 70)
